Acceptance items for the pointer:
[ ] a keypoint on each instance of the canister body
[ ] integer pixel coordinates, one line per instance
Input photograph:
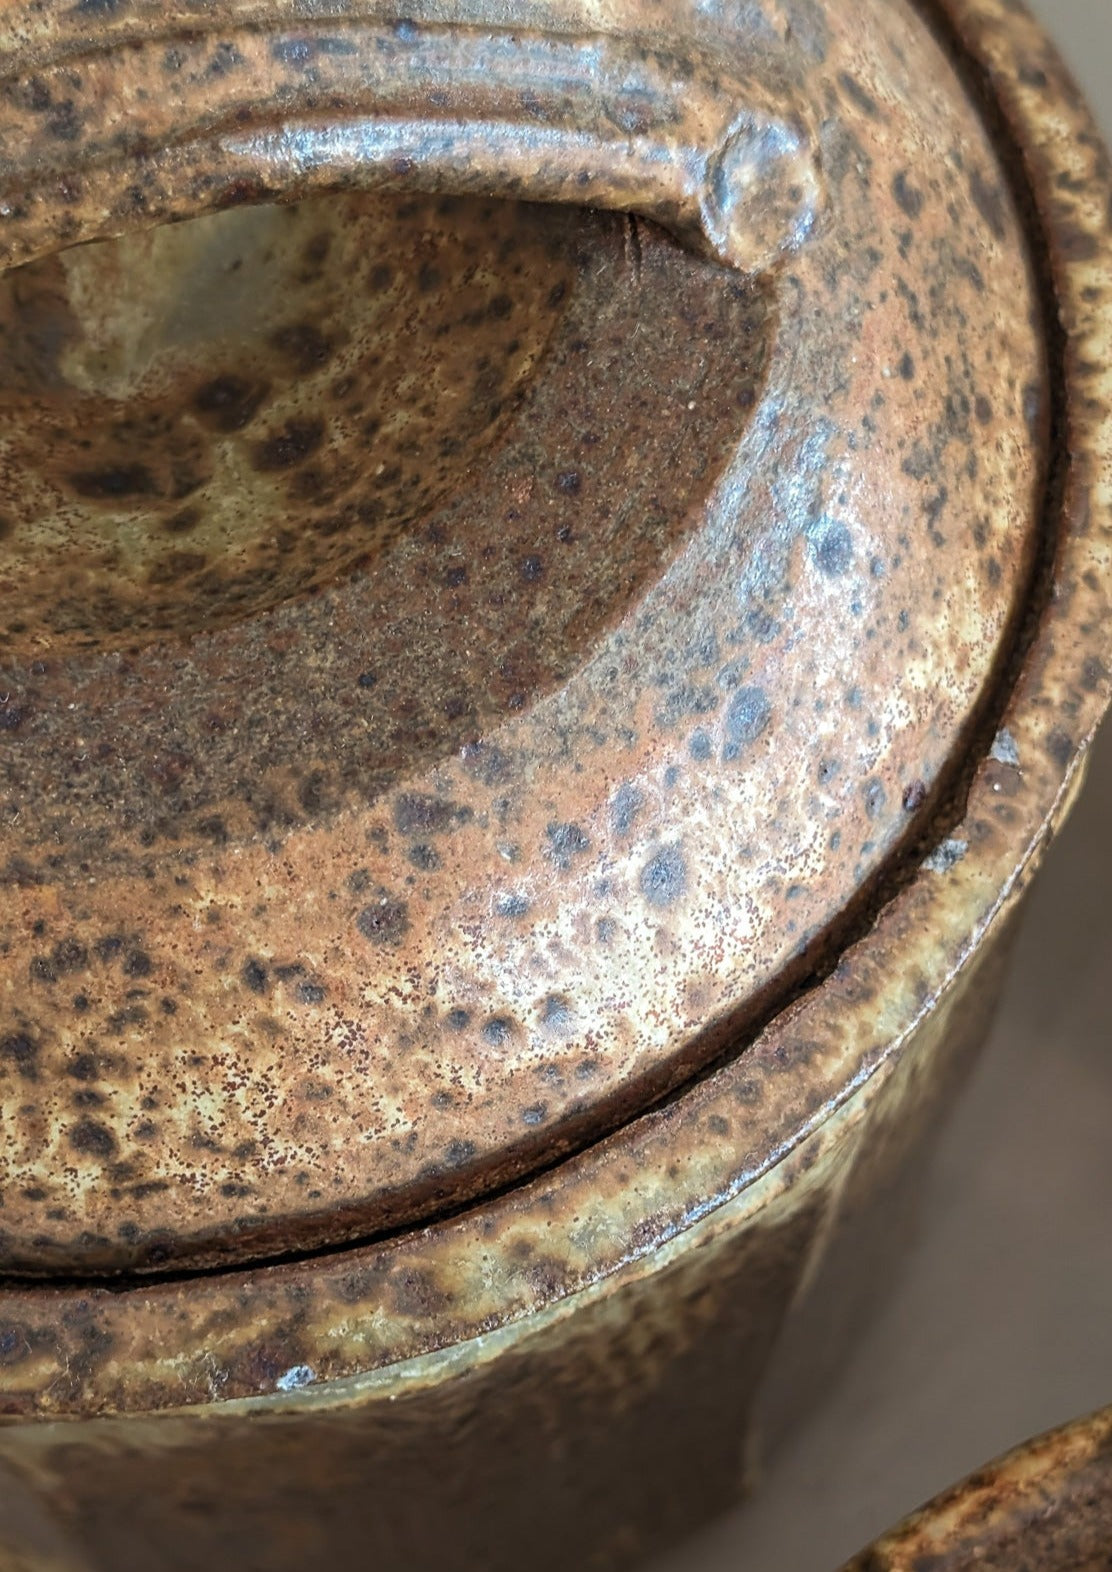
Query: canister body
(589, 1434)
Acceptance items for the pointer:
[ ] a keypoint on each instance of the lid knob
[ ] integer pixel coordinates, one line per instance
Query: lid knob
(612, 120)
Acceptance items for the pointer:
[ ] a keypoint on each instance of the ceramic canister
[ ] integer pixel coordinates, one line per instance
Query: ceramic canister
(555, 589)
(1046, 1507)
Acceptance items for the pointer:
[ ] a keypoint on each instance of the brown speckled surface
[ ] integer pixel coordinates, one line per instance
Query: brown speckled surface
(1047, 1507)
(587, 1356)
(832, 1050)
(199, 422)
(578, 759)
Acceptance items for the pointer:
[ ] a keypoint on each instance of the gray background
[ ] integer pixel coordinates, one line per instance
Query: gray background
(1000, 1326)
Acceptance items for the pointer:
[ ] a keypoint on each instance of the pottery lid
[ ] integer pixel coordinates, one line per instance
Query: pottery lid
(467, 663)
(1052, 1496)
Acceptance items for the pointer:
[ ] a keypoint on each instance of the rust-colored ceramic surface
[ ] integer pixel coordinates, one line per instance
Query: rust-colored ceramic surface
(467, 667)
(611, 872)
(199, 426)
(1046, 1507)
(591, 1429)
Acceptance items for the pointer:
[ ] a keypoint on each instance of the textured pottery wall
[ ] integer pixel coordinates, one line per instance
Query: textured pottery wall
(590, 1436)
(589, 1366)
(1046, 1507)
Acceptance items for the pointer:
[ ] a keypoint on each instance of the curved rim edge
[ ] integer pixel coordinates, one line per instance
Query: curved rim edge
(1000, 1503)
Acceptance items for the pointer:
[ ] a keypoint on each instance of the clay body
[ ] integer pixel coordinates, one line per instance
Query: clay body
(528, 724)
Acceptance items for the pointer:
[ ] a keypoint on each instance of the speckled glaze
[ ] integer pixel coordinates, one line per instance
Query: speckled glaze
(653, 604)
(603, 858)
(1046, 1507)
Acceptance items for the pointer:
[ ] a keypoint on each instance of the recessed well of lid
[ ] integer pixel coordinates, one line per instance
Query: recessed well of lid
(411, 803)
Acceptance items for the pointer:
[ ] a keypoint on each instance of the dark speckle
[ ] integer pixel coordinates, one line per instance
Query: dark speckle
(290, 446)
(556, 1012)
(700, 746)
(907, 196)
(22, 1052)
(458, 1152)
(310, 993)
(367, 679)
(69, 955)
(254, 975)
(384, 922)
(415, 813)
(225, 57)
(137, 964)
(92, 1139)
(747, 716)
(914, 797)
(875, 798)
(228, 403)
(570, 482)
(990, 203)
(625, 807)
(512, 905)
(184, 522)
(907, 368)
(293, 51)
(458, 1020)
(664, 877)
(64, 125)
(853, 89)
(534, 1114)
(565, 843)
(115, 483)
(1060, 747)
(831, 547)
(497, 1031)
(14, 1346)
